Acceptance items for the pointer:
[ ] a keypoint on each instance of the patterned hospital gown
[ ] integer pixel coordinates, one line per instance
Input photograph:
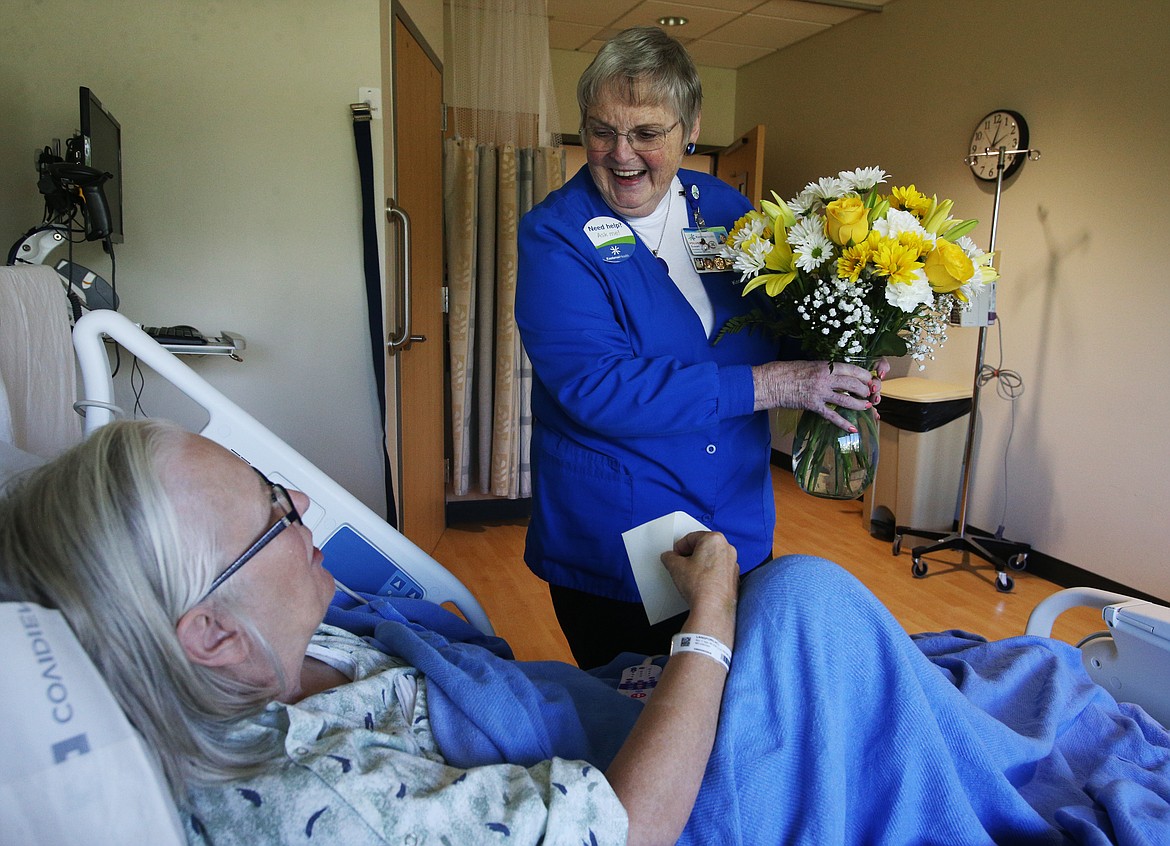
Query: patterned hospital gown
(360, 766)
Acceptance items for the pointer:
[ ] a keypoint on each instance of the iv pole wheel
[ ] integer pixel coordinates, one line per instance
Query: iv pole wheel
(1004, 583)
(918, 568)
(1018, 561)
(897, 549)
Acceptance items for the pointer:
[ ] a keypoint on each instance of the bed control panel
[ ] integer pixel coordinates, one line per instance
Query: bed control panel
(361, 566)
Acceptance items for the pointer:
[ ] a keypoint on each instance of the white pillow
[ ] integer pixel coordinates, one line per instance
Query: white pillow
(14, 461)
(72, 768)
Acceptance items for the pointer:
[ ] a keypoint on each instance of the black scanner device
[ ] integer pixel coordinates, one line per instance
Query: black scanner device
(88, 181)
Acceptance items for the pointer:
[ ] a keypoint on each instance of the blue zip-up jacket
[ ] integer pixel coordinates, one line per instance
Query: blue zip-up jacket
(636, 413)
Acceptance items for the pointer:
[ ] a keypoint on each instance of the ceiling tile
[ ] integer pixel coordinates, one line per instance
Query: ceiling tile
(598, 13)
(715, 54)
(569, 36)
(700, 19)
(796, 10)
(758, 31)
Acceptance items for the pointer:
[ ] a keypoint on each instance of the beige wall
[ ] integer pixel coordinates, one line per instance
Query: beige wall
(1083, 299)
(241, 195)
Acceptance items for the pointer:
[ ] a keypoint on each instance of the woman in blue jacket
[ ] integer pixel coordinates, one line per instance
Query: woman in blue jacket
(636, 412)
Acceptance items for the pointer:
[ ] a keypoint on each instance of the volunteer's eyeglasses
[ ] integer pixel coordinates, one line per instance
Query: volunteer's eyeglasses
(280, 500)
(642, 139)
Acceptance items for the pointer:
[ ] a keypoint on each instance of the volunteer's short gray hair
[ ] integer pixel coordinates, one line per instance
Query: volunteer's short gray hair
(643, 65)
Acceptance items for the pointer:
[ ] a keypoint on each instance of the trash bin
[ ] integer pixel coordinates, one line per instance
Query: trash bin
(922, 435)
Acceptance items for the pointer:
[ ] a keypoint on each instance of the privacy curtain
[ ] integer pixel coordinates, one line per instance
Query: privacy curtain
(486, 191)
(495, 168)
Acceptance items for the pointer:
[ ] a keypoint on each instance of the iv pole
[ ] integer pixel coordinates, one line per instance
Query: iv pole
(998, 551)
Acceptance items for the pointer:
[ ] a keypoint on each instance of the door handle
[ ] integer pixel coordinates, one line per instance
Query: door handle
(402, 340)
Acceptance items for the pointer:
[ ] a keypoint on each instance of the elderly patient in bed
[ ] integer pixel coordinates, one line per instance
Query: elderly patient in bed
(191, 582)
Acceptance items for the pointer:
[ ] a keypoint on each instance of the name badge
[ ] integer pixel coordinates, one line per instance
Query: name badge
(612, 238)
(704, 246)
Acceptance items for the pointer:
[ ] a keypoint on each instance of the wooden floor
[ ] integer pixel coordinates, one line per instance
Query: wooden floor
(487, 557)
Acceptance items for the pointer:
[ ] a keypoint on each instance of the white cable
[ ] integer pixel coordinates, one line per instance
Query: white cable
(351, 593)
(1009, 385)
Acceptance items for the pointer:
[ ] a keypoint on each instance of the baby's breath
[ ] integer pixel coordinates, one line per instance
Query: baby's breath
(927, 330)
(837, 314)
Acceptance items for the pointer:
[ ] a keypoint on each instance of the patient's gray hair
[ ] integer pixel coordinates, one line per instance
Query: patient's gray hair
(643, 66)
(94, 534)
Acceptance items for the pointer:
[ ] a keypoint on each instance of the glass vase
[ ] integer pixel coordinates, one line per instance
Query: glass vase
(830, 462)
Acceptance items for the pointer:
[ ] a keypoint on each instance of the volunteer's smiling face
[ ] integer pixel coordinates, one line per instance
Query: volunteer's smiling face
(633, 182)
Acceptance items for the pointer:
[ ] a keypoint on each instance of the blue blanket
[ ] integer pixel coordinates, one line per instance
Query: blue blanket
(836, 727)
(486, 708)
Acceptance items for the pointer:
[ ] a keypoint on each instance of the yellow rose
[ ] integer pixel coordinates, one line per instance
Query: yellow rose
(948, 267)
(847, 221)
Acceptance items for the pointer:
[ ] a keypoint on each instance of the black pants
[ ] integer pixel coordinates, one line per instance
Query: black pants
(598, 629)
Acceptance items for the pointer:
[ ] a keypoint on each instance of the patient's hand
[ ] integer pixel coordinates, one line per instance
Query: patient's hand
(704, 568)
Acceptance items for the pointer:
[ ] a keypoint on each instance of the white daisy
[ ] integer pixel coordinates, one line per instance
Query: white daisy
(805, 230)
(863, 179)
(827, 188)
(970, 248)
(753, 228)
(804, 203)
(749, 257)
(811, 248)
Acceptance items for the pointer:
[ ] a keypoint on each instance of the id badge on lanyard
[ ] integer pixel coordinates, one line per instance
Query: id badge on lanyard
(704, 247)
(705, 243)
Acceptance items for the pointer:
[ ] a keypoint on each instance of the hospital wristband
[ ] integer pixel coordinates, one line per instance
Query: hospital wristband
(712, 647)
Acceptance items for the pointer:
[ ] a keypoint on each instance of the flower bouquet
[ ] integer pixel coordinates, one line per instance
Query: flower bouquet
(855, 275)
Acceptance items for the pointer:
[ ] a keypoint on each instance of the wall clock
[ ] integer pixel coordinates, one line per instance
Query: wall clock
(1001, 128)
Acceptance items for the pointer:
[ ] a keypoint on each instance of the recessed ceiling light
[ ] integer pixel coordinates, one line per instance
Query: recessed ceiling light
(672, 20)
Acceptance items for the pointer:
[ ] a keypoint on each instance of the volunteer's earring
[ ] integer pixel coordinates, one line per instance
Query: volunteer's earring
(690, 149)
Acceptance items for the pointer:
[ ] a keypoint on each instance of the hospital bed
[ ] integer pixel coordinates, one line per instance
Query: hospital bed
(70, 763)
(69, 760)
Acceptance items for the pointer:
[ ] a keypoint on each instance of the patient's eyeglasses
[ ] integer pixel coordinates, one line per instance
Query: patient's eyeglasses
(642, 139)
(280, 500)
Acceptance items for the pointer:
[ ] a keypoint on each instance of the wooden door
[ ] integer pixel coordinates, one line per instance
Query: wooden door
(415, 187)
(741, 165)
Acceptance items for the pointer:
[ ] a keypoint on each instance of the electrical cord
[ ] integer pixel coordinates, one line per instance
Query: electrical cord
(137, 385)
(1009, 385)
(109, 247)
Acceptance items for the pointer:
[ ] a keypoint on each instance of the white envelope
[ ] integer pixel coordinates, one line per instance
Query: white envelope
(644, 546)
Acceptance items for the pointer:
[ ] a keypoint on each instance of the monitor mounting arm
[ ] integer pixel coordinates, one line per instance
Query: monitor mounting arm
(36, 244)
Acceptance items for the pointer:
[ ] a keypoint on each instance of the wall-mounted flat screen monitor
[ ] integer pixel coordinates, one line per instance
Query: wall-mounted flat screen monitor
(101, 145)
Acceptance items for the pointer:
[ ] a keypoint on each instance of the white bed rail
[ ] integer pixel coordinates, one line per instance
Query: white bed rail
(1131, 659)
(1043, 616)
